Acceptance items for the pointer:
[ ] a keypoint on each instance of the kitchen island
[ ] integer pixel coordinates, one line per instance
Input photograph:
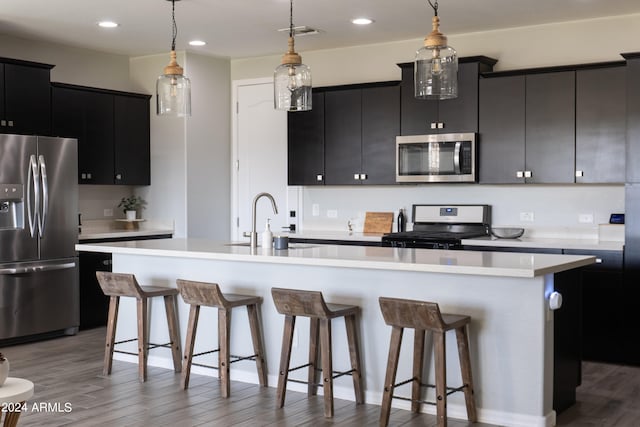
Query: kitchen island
(506, 295)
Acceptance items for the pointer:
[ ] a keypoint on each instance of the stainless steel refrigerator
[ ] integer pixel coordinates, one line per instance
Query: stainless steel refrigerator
(39, 293)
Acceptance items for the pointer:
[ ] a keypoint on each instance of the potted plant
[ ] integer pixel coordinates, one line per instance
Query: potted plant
(130, 205)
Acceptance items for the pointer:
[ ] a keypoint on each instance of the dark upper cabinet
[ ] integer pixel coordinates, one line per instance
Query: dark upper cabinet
(347, 138)
(380, 126)
(360, 129)
(600, 125)
(501, 129)
(550, 127)
(306, 144)
(25, 97)
(112, 129)
(132, 140)
(633, 118)
(527, 128)
(343, 136)
(419, 117)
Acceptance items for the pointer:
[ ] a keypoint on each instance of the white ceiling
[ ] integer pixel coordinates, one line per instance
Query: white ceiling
(246, 28)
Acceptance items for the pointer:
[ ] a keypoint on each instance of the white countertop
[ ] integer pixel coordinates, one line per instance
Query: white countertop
(112, 229)
(504, 264)
(523, 242)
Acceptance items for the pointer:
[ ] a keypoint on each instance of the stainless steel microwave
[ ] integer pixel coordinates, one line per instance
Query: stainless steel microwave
(448, 157)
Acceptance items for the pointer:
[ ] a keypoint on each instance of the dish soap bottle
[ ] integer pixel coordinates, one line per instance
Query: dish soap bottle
(402, 221)
(267, 235)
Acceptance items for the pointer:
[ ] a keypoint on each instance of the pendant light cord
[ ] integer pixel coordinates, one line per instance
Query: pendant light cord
(175, 26)
(434, 6)
(291, 18)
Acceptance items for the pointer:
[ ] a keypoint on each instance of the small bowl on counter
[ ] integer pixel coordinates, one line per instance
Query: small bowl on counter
(507, 232)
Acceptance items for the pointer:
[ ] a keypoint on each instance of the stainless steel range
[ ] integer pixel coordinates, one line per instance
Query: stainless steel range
(442, 226)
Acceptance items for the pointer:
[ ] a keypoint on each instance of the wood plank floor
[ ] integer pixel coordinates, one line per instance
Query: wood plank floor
(68, 370)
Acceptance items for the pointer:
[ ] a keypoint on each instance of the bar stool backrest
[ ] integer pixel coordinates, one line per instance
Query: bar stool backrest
(412, 314)
(294, 302)
(201, 293)
(119, 284)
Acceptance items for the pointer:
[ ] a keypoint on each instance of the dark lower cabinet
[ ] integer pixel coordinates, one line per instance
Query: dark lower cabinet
(94, 304)
(603, 314)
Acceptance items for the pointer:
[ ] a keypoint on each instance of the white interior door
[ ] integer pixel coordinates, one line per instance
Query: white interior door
(260, 150)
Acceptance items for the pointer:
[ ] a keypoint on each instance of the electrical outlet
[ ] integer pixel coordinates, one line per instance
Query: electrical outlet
(108, 212)
(315, 209)
(332, 213)
(526, 216)
(585, 218)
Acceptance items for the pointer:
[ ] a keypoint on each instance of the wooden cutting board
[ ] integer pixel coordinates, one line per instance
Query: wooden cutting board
(378, 222)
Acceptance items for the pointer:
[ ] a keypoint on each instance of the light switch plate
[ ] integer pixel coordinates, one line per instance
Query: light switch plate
(315, 209)
(526, 216)
(108, 212)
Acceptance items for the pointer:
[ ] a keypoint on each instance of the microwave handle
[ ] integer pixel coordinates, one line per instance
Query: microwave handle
(456, 157)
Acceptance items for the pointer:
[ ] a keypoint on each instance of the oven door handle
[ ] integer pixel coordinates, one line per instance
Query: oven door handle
(456, 157)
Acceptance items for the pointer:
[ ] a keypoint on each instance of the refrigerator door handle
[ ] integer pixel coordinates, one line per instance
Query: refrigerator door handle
(32, 183)
(37, 268)
(45, 195)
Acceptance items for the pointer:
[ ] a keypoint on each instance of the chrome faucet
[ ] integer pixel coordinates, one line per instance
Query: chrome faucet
(253, 236)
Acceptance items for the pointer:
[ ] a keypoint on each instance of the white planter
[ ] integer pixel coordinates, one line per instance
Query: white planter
(4, 371)
(131, 215)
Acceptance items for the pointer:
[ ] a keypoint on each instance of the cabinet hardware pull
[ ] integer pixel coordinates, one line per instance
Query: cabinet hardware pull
(10, 123)
(119, 176)
(598, 260)
(434, 125)
(579, 174)
(440, 125)
(356, 176)
(519, 174)
(527, 174)
(3, 122)
(363, 176)
(318, 177)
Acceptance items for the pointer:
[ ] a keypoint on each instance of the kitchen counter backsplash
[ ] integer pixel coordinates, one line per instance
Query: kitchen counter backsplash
(105, 229)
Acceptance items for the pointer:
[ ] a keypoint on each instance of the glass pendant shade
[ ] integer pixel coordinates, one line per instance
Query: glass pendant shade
(173, 95)
(436, 66)
(173, 88)
(292, 87)
(292, 79)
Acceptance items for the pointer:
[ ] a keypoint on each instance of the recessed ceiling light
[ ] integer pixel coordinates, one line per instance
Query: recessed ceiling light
(361, 21)
(197, 43)
(107, 24)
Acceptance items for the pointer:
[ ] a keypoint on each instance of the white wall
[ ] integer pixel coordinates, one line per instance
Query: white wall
(190, 176)
(208, 148)
(526, 47)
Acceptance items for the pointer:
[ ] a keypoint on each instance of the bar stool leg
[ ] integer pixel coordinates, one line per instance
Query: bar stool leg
(224, 343)
(465, 366)
(111, 334)
(313, 376)
(441, 377)
(258, 348)
(143, 344)
(390, 376)
(285, 355)
(354, 354)
(327, 366)
(194, 313)
(174, 334)
(418, 364)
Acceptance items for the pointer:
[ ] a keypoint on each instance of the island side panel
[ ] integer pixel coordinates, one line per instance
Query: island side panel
(511, 333)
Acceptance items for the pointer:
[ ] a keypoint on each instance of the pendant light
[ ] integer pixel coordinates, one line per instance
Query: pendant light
(436, 65)
(173, 89)
(292, 79)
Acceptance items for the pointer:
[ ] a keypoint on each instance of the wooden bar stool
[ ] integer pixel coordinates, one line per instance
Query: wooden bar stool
(292, 303)
(425, 316)
(208, 294)
(116, 285)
